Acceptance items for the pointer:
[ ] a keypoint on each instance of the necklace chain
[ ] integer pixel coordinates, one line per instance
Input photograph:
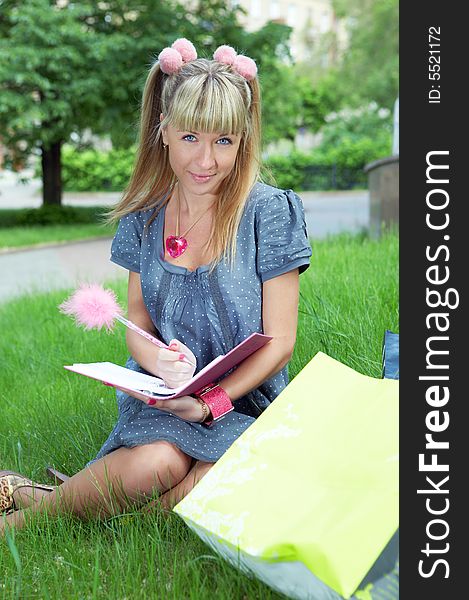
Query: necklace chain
(178, 217)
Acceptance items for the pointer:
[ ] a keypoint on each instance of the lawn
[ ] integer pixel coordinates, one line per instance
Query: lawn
(18, 237)
(23, 227)
(349, 296)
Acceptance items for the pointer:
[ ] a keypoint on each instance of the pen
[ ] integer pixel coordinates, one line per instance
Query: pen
(147, 336)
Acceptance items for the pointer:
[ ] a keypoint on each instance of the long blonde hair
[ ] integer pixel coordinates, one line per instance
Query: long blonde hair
(207, 96)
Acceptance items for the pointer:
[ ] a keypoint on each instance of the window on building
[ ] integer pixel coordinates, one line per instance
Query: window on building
(291, 15)
(325, 22)
(274, 9)
(256, 8)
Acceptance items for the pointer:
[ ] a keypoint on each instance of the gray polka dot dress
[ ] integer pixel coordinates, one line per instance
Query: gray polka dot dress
(209, 313)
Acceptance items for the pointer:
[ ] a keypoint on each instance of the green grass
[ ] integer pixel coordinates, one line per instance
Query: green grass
(17, 237)
(349, 296)
(347, 300)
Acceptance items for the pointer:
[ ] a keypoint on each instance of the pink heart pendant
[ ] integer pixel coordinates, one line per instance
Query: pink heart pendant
(175, 245)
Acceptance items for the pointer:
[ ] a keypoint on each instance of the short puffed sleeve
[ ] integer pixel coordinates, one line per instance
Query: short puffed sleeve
(282, 238)
(126, 245)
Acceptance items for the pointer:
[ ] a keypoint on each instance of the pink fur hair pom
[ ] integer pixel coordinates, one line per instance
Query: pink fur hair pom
(92, 306)
(245, 66)
(185, 48)
(225, 54)
(170, 61)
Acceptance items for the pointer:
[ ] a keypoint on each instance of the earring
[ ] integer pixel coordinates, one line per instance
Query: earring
(165, 146)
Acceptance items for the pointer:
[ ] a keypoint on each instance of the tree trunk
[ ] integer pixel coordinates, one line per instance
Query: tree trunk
(52, 174)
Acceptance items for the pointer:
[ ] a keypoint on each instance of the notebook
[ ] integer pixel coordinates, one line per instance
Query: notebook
(154, 387)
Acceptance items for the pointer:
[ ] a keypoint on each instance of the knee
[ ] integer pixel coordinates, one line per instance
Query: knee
(159, 465)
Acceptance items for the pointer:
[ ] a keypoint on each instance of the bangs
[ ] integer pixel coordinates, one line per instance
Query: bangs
(209, 105)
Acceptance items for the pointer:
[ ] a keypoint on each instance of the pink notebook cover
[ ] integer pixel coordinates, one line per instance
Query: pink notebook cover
(209, 374)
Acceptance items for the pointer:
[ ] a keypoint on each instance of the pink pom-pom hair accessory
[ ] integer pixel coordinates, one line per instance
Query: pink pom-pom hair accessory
(172, 59)
(183, 51)
(243, 65)
(93, 307)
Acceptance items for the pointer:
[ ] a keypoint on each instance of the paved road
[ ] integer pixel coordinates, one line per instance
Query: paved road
(65, 265)
(329, 213)
(55, 267)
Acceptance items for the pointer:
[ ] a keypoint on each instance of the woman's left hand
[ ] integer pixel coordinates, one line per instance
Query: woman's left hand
(185, 407)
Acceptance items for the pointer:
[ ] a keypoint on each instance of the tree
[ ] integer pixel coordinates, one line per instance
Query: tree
(281, 94)
(48, 88)
(132, 33)
(64, 69)
(317, 101)
(369, 67)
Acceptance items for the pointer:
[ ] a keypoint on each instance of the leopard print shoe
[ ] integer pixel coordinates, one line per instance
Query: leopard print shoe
(6, 496)
(10, 482)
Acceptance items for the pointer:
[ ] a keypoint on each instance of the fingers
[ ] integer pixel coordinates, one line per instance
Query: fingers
(170, 355)
(178, 346)
(132, 393)
(176, 371)
(173, 365)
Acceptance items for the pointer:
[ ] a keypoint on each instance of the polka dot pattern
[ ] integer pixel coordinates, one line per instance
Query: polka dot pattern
(209, 313)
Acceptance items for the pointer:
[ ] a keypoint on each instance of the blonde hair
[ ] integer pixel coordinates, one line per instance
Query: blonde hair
(207, 96)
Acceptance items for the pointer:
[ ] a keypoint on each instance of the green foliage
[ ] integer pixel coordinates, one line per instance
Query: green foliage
(92, 170)
(350, 140)
(370, 122)
(346, 151)
(365, 71)
(282, 102)
(350, 153)
(48, 86)
(281, 93)
(317, 101)
(316, 171)
(83, 66)
(370, 66)
(51, 215)
(288, 172)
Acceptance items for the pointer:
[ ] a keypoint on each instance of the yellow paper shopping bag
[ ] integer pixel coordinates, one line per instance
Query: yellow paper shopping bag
(307, 497)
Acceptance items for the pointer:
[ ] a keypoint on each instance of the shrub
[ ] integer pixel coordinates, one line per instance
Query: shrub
(350, 140)
(95, 171)
(326, 168)
(288, 172)
(51, 215)
(92, 170)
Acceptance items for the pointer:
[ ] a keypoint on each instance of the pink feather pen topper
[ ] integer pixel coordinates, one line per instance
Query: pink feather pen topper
(94, 307)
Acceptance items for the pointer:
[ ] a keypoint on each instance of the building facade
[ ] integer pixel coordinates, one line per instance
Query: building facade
(317, 34)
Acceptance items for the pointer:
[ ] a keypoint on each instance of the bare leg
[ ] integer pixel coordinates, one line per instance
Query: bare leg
(26, 496)
(177, 493)
(108, 486)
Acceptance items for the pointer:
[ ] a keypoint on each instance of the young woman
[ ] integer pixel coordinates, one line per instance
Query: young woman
(213, 255)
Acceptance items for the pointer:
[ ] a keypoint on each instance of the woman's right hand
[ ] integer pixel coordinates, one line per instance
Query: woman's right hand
(173, 366)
